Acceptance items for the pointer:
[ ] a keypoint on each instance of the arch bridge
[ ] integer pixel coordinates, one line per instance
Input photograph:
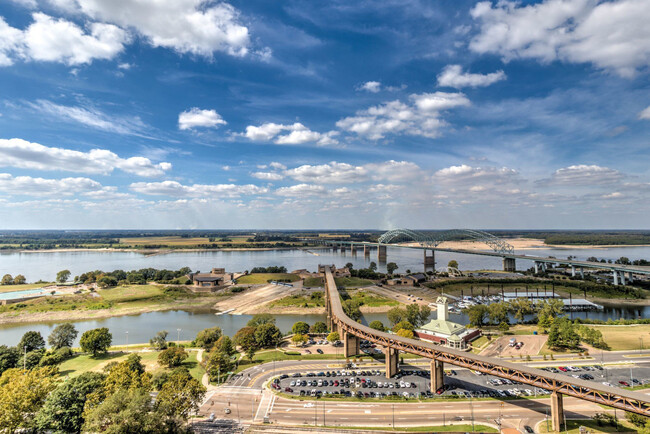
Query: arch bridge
(434, 239)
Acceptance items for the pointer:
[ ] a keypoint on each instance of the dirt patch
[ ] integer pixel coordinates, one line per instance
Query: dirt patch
(401, 294)
(253, 299)
(501, 348)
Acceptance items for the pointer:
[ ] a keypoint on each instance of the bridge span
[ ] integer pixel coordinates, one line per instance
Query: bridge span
(351, 332)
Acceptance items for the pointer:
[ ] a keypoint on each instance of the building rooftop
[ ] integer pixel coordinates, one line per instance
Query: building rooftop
(444, 327)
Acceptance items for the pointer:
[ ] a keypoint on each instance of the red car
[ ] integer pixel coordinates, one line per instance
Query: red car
(288, 389)
(624, 383)
(562, 368)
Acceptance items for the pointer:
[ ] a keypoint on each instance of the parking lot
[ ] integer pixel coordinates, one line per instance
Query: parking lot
(413, 382)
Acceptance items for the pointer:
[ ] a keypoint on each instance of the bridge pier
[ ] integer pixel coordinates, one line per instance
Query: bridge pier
(615, 274)
(557, 411)
(437, 375)
(392, 361)
(430, 260)
(573, 271)
(366, 250)
(342, 247)
(509, 265)
(350, 344)
(335, 248)
(623, 282)
(353, 250)
(630, 277)
(381, 253)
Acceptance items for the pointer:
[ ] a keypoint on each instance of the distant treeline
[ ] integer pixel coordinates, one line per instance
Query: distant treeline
(134, 277)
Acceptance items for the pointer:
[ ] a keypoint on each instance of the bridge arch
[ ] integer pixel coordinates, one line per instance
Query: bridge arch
(433, 240)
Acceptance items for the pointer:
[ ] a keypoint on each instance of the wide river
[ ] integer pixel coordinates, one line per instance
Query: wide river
(140, 328)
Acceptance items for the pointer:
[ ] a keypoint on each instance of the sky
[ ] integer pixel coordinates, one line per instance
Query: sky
(189, 114)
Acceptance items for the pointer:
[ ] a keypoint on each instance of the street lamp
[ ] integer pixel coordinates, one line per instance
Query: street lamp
(127, 338)
(640, 344)
(178, 336)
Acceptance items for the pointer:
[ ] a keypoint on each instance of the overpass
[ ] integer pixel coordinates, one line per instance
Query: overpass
(499, 247)
(351, 332)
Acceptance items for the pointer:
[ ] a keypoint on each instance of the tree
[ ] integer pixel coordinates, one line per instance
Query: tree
(417, 315)
(22, 393)
(395, 315)
(377, 325)
(403, 325)
(453, 264)
(63, 408)
(245, 338)
(180, 395)
(224, 344)
(159, 342)
(301, 328)
(129, 374)
(9, 357)
(544, 322)
(405, 333)
(498, 312)
(521, 307)
(63, 335)
(250, 353)
(31, 359)
(349, 266)
(207, 337)
(218, 364)
(261, 318)
(298, 339)
(19, 279)
(333, 337)
(267, 335)
(351, 308)
(319, 327)
(391, 267)
(552, 307)
(63, 276)
(31, 341)
(172, 357)
(96, 341)
(373, 266)
(478, 315)
(7, 279)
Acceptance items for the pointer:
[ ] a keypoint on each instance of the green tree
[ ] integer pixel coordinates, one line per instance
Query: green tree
(129, 374)
(172, 357)
(377, 325)
(250, 353)
(405, 333)
(63, 335)
(63, 408)
(180, 395)
(22, 394)
(333, 337)
(453, 264)
(395, 315)
(224, 344)
(498, 312)
(319, 327)
(391, 267)
(478, 315)
(417, 315)
(245, 338)
(63, 276)
(261, 318)
(352, 308)
(31, 359)
(267, 335)
(159, 342)
(134, 363)
(19, 280)
(218, 365)
(521, 307)
(544, 322)
(403, 325)
(207, 337)
(349, 266)
(9, 357)
(31, 341)
(298, 339)
(96, 341)
(373, 266)
(7, 279)
(301, 328)
(552, 307)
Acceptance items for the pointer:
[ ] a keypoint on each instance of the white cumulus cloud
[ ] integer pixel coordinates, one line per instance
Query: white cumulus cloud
(370, 86)
(584, 175)
(645, 113)
(27, 185)
(267, 176)
(453, 76)
(27, 155)
(196, 117)
(216, 191)
(294, 134)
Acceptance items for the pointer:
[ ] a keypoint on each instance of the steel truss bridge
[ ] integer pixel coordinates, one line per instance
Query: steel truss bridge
(433, 240)
(559, 385)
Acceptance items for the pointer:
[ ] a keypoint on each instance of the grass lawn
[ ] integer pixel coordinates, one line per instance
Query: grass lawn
(439, 428)
(10, 288)
(573, 427)
(628, 337)
(371, 299)
(301, 299)
(261, 278)
(352, 282)
(313, 282)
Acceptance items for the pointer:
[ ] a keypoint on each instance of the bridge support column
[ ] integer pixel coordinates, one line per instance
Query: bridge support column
(335, 247)
(630, 277)
(615, 274)
(557, 411)
(342, 247)
(366, 250)
(623, 278)
(509, 265)
(392, 361)
(353, 249)
(536, 267)
(350, 344)
(437, 375)
(381, 253)
(430, 260)
(573, 271)
(582, 272)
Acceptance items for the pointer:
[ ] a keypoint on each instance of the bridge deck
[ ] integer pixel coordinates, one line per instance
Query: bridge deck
(590, 391)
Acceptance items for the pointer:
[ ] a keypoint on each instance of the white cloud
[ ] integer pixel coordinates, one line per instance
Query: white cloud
(370, 86)
(277, 166)
(27, 155)
(343, 173)
(645, 113)
(187, 26)
(465, 175)
(72, 44)
(301, 190)
(216, 191)
(196, 117)
(90, 116)
(267, 176)
(422, 118)
(27, 185)
(612, 35)
(298, 134)
(453, 76)
(584, 175)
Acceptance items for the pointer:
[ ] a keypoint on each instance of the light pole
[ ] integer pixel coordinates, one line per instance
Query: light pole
(640, 344)
(127, 338)
(393, 416)
(178, 336)
(471, 409)
(25, 358)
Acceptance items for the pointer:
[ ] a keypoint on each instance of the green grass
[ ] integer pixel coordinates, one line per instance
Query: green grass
(352, 282)
(313, 282)
(302, 299)
(439, 428)
(573, 427)
(371, 299)
(261, 278)
(625, 337)
(10, 288)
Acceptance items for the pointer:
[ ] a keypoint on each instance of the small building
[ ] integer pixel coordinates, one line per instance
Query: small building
(409, 280)
(342, 272)
(445, 332)
(216, 277)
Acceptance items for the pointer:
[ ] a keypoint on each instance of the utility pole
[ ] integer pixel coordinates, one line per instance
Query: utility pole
(178, 336)
(394, 416)
(25, 359)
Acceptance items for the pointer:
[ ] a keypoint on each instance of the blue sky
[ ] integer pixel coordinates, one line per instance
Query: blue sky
(301, 114)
